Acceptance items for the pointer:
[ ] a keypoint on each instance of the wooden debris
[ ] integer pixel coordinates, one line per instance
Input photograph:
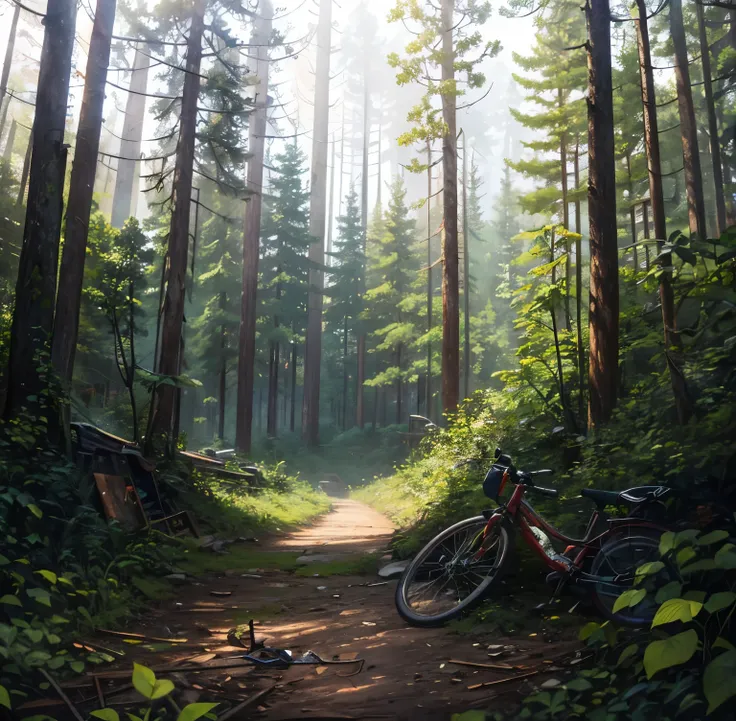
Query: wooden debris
(62, 695)
(475, 686)
(221, 594)
(141, 637)
(244, 704)
(494, 666)
(100, 695)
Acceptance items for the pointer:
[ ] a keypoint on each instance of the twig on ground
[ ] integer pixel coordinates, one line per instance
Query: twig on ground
(62, 695)
(475, 686)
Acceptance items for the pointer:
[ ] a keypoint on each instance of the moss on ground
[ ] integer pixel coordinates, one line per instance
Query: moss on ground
(363, 565)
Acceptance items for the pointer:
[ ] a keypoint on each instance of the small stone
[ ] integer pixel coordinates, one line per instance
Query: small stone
(393, 570)
(176, 578)
(551, 683)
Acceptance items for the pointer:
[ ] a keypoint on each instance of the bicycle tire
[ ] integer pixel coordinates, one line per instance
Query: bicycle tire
(643, 537)
(415, 619)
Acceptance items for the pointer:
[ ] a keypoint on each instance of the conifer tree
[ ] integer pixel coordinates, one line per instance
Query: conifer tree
(393, 301)
(347, 277)
(284, 267)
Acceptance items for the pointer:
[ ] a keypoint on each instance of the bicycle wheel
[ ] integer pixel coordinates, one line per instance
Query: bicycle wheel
(443, 580)
(616, 564)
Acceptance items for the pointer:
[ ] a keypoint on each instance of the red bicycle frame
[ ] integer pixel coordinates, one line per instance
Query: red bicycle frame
(525, 517)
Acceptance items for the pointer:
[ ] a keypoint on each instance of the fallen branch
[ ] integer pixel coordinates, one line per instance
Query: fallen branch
(495, 666)
(248, 702)
(140, 636)
(62, 695)
(475, 686)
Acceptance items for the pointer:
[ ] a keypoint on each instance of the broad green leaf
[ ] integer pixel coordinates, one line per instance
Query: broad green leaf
(698, 596)
(721, 642)
(588, 630)
(161, 688)
(629, 598)
(726, 556)
(40, 595)
(9, 600)
(106, 714)
(474, 715)
(676, 609)
(647, 569)
(35, 510)
(685, 555)
(143, 680)
(668, 591)
(4, 697)
(673, 651)
(704, 564)
(689, 534)
(666, 542)
(50, 576)
(578, 684)
(718, 685)
(719, 601)
(712, 537)
(194, 711)
(4, 560)
(77, 666)
(627, 653)
(35, 634)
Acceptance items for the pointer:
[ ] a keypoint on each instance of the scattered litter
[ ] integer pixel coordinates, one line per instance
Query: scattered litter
(320, 670)
(368, 623)
(221, 594)
(380, 583)
(321, 588)
(176, 577)
(251, 575)
(393, 569)
(551, 683)
(140, 637)
(249, 701)
(203, 658)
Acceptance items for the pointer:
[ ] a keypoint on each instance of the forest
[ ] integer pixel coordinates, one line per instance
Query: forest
(370, 240)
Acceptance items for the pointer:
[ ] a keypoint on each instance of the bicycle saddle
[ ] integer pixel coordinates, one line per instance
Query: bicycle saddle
(630, 497)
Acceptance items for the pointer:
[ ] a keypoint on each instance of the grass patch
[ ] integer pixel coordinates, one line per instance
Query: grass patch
(364, 565)
(240, 558)
(152, 588)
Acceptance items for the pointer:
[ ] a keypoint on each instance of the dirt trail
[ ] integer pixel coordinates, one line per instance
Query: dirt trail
(406, 672)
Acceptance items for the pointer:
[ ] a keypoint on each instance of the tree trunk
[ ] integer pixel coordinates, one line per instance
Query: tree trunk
(35, 290)
(24, 173)
(173, 309)
(632, 210)
(360, 390)
(273, 390)
(81, 187)
(428, 409)
(331, 211)
(656, 197)
(450, 284)
(582, 371)
(10, 142)
(398, 387)
(292, 416)
(688, 127)
(345, 376)
(604, 292)
(222, 389)
(466, 276)
(252, 233)
(6, 67)
(317, 207)
(710, 108)
(130, 145)
(565, 213)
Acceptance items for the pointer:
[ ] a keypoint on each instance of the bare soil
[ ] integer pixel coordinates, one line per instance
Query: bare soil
(404, 673)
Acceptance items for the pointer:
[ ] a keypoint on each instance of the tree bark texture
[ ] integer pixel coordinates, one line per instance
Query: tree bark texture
(710, 108)
(317, 208)
(450, 267)
(604, 291)
(172, 319)
(582, 370)
(466, 276)
(130, 145)
(7, 64)
(81, 187)
(24, 173)
(688, 127)
(428, 395)
(35, 290)
(222, 385)
(10, 142)
(656, 199)
(252, 233)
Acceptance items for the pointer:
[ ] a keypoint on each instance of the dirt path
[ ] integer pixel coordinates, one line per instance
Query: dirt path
(406, 672)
